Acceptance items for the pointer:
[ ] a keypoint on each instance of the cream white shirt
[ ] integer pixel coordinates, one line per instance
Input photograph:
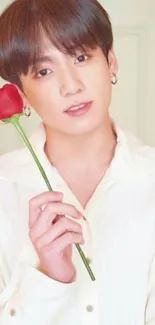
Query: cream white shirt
(119, 239)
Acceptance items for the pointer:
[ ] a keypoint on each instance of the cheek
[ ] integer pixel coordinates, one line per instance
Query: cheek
(32, 94)
(39, 97)
(47, 107)
(98, 73)
(99, 83)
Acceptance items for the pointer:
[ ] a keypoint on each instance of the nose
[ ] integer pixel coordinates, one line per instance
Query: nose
(70, 83)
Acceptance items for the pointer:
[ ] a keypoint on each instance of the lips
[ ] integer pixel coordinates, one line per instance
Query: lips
(78, 109)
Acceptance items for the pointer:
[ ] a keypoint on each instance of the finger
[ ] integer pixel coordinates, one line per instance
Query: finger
(58, 229)
(64, 241)
(48, 215)
(36, 204)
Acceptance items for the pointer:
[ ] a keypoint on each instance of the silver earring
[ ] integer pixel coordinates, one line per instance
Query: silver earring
(114, 79)
(27, 111)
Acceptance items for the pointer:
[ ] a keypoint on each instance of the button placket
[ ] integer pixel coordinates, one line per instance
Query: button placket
(88, 302)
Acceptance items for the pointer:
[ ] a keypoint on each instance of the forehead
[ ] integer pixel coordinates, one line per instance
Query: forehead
(46, 48)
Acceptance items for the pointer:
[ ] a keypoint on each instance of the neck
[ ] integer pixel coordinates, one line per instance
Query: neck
(87, 151)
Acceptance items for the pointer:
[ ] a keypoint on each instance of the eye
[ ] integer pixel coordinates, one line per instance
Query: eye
(81, 58)
(43, 73)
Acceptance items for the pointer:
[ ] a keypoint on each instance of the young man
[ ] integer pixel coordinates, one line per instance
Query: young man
(60, 56)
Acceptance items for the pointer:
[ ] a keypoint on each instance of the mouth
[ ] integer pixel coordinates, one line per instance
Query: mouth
(78, 110)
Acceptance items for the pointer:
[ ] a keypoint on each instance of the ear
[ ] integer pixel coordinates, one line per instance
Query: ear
(25, 100)
(113, 64)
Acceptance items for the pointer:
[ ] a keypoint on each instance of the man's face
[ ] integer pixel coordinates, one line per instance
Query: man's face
(60, 81)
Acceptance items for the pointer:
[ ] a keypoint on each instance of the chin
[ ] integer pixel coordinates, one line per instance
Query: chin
(83, 129)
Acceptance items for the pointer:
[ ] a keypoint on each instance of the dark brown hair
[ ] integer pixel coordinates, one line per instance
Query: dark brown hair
(70, 25)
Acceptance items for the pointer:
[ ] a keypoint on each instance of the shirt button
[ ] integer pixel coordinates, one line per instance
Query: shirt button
(89, 260)
(12, 312)
(89, 308)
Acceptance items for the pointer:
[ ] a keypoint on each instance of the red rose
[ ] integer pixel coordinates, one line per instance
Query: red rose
(11, 102)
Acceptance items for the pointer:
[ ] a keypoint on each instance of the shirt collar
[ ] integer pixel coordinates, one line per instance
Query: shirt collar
(24, 170)
(119, 164)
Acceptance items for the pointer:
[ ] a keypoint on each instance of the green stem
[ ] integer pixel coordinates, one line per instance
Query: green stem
(85, 261)
(15, 121)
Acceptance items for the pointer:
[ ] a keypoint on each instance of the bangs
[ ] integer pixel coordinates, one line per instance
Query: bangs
(69, 25)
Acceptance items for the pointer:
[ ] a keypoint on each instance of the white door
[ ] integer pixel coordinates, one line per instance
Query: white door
(133, 104)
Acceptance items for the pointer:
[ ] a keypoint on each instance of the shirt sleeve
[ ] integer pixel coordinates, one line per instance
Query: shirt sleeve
(33, 298)
(27, 296)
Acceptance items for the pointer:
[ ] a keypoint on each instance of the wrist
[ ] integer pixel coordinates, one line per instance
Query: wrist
(45, 272)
